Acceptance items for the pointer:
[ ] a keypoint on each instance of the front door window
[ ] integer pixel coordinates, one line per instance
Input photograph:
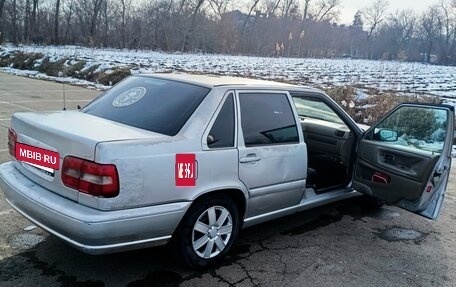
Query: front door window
(422, 128)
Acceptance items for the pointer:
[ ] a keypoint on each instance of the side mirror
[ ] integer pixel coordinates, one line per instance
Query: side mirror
(386, 135)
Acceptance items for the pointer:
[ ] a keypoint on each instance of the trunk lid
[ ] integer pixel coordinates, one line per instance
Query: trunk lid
(67, 133)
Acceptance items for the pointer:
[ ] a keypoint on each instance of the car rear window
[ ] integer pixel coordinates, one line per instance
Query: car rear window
(153, 104)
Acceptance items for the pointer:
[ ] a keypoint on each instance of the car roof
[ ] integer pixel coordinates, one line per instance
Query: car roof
(211, 81)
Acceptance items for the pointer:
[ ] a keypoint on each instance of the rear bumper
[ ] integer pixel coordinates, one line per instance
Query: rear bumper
(90, 230)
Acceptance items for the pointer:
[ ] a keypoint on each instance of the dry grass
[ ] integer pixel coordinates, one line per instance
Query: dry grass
(114, 77)
(75, 69)
(88, 74)
(52, 68)
(374, 107)
(20, 60)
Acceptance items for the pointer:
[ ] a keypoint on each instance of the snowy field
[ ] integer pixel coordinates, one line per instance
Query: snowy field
(408, 78)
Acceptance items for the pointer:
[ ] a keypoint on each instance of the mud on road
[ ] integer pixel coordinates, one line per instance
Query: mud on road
(342, 244)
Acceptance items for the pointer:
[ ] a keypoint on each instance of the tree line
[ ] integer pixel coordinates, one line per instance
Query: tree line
(285, 28)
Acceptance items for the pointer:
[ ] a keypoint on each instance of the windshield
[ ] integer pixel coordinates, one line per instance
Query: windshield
(157, 105)
(308, 108)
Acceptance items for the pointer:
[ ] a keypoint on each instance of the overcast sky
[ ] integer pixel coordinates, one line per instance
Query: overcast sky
(351, 6)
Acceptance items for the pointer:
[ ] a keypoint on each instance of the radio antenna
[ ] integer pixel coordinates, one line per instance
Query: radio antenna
(63, 89)
(64, 98)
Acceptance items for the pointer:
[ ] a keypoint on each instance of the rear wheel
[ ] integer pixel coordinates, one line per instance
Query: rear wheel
(208, 231)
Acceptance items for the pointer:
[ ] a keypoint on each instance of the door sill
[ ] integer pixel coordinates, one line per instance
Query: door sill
(309, 201)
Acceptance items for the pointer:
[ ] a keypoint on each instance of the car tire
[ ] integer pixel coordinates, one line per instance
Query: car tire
(207, 231)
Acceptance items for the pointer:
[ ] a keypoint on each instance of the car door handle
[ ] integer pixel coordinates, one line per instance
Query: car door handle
(389, 158)
(250, 158)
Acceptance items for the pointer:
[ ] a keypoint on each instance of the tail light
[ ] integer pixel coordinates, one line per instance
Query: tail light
(90, 177)
(12, 139)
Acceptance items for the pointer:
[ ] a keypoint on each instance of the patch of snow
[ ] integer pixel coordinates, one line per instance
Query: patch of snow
(360, 95)
(368, 106)
(402, 77)
(66, 80)
(38, 63)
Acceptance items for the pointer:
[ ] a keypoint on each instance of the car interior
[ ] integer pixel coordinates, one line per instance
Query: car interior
(329, 145)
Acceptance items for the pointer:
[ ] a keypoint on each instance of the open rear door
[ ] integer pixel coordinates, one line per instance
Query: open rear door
(405, 158)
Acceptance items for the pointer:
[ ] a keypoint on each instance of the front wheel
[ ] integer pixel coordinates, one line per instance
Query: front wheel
(208, 231)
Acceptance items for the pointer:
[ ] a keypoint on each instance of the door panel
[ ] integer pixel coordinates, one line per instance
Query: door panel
(398, 160)
(405, 159)
(276, 180)
(272, 153)
(403, 169)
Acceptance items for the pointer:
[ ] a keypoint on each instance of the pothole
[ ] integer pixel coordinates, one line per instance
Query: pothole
(400, 234)
(25, 240)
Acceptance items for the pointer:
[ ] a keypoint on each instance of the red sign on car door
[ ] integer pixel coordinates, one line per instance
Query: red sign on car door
(185, 170)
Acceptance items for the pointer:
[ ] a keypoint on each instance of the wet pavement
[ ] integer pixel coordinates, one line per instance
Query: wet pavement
(320, 247)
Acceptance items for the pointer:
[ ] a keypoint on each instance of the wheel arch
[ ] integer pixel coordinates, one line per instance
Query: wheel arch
(237, 195)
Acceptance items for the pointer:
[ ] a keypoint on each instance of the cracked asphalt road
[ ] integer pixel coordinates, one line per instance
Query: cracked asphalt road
(342, 244)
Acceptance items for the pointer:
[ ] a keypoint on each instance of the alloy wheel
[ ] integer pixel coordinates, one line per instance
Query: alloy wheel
(212, 231)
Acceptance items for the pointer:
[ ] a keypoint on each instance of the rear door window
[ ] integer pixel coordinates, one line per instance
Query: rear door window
(153, 104)
(267, 119)
(222, 132)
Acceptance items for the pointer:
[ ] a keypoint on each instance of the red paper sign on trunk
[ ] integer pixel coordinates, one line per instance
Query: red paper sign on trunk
(39, 156)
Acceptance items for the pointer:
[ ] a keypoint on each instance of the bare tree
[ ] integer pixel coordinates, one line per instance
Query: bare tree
(182, 5)
(326, 10)
(306, 9)
(125, 6)
(271, 7)
(373, 16)
(247, 17)
(105, 18)
(447, 27)
(219, 7)
(97, 4)
(68, 20)
(430, 28)
(27, 25)
(305, 27)
(56, 22)
(33, 22)
(286, 7)
(2, 6)
(357, 36)
(190, 29)
(14, 34)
